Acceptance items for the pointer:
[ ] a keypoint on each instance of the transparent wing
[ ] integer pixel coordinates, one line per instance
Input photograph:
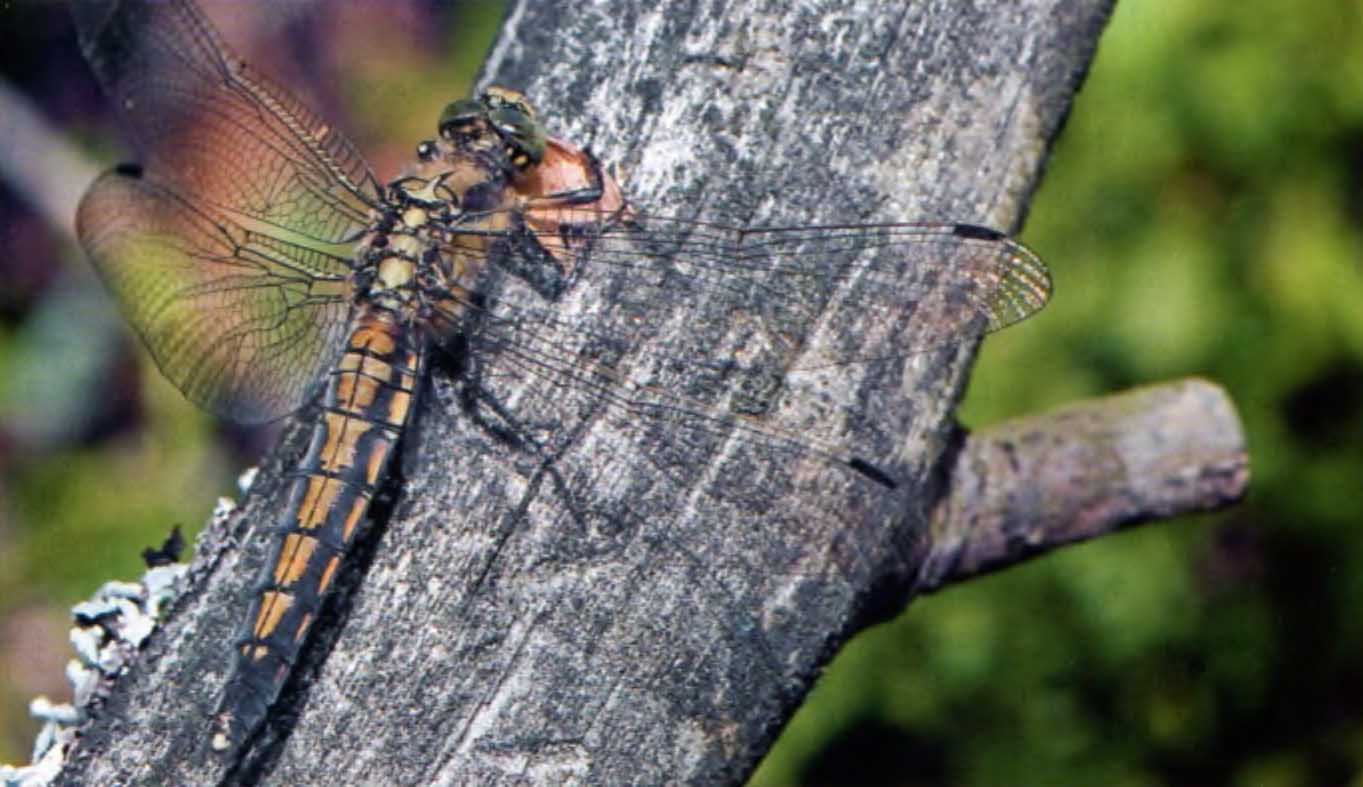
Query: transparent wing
(242, 321)
(230, 252)
(966, 279)
(707, 324)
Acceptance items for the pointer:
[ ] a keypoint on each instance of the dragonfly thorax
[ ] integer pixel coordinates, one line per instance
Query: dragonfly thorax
(395, 273)
(438, 223)
(431, 237)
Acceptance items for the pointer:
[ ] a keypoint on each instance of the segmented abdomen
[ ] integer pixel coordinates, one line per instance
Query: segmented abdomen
(368, 398)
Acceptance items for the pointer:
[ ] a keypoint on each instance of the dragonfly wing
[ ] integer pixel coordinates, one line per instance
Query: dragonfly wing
(239, 316)
(705, 326)
(207, 125)
(237, 231)
(934, 283)
(829, 296)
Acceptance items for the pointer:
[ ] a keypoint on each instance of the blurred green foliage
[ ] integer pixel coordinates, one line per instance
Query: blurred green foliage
(1201, 214)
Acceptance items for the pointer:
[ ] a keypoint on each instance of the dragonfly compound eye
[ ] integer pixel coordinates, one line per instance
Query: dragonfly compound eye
(460, 117)
(497, 97)
(525, 141)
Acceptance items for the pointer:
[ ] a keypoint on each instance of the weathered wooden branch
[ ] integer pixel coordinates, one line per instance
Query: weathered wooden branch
(1029, 485)
(627, 613)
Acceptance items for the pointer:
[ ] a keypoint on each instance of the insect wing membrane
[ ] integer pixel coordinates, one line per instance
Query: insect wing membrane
(229, 249)
(973, 279)
(759, 305)
(241, 321)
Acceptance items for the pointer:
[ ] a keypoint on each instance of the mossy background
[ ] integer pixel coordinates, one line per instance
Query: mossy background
(1201, 214)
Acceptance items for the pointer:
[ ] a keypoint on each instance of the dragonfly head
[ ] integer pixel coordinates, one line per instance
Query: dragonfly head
(499, 119)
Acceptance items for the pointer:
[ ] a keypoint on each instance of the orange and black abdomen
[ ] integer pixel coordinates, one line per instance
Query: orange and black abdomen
(369, 395)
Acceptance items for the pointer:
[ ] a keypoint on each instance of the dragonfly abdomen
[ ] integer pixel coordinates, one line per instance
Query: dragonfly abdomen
(368, 398)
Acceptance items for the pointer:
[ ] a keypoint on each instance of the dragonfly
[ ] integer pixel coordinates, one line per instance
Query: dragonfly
(268, 271)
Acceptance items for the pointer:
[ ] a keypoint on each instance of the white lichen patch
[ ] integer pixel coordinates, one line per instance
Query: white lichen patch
(110, 629)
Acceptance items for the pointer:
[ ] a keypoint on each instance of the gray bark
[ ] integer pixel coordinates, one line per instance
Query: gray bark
(1032, 484)
(627, 613)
